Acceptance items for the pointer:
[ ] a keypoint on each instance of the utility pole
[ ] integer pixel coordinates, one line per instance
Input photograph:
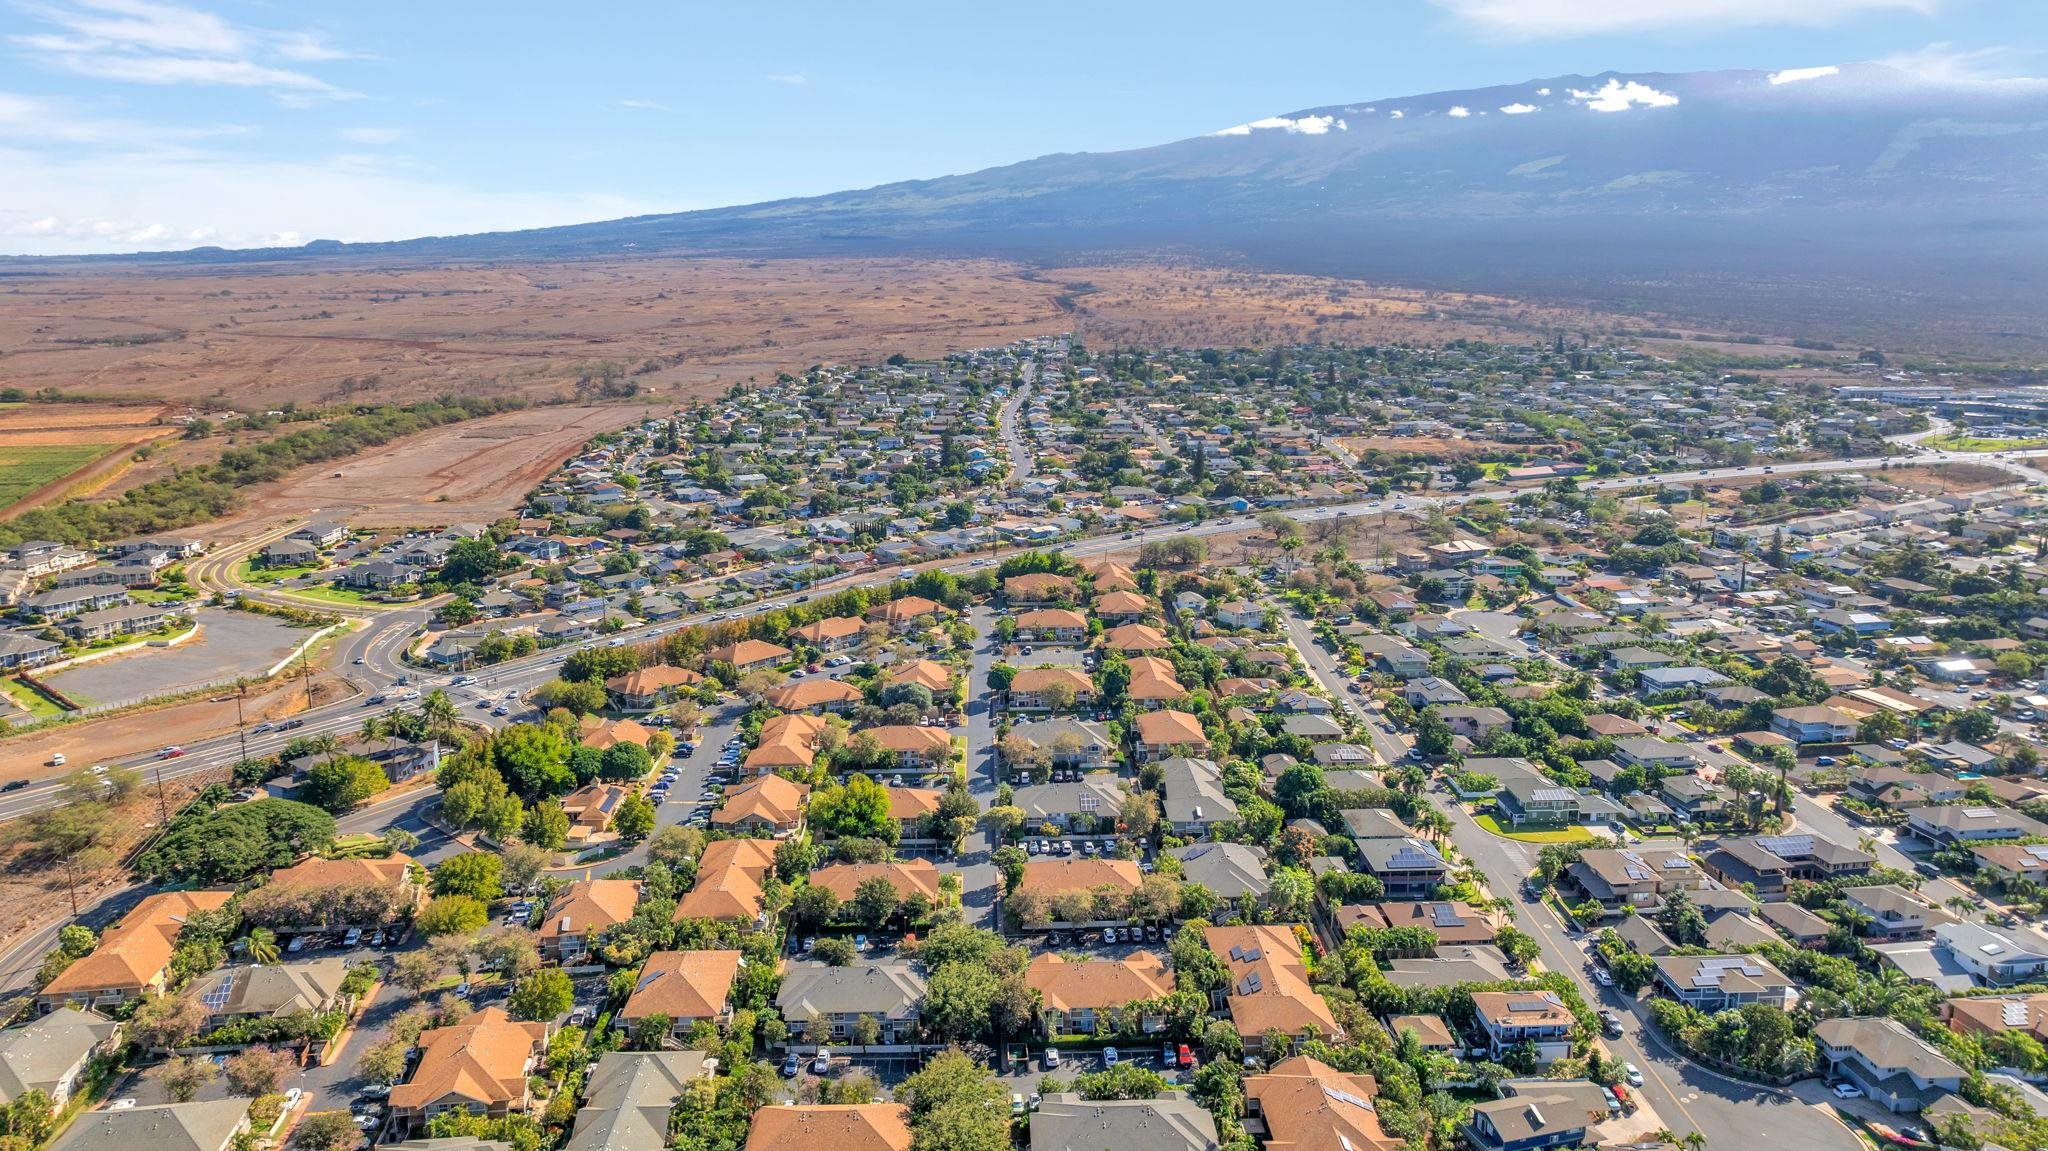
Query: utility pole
(241, 728)
(163, 807)
(71, 884)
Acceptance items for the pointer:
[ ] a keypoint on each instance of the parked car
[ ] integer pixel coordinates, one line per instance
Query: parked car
(1052, 1058)
(1848, 1091)
(821, 1062)
(1109, 1057)
(791, 1066)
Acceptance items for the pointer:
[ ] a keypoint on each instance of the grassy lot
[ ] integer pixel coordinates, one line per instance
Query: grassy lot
(251, 572)
(32, 701)
(26, 467)
(1558, 835)
(1962, 443)
(331, 595)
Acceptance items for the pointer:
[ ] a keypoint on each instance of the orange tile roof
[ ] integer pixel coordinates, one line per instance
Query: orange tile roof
(905, 609)
(1037, 584)
(907, 738)
(908, 877)
(826, 630)
(1269, 988)
(1170, 727)
(589, 906)
(831, 1127)
(651, 680)
(1135, 637)
(911, 802)
(786, 741)
(1122, 603)
(483, 1059)
(1048, 618)
(602, 733)
(1053, 876)
(930, 673)
(683, 985)
(1310, 1106)
(1034, 679)
(1097, 983)
(134, 952)
(770, 798)
(749, 651)
(813, 693)
(390, 871)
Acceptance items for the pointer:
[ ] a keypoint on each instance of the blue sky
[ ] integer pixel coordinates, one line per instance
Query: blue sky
(134, 124)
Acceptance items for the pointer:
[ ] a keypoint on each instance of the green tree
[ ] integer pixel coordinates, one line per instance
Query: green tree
(343, 782)
(582, 698)
(452, 915)
(183, 1076)
(625, 762)
(1123, 1081)
(956, 1104)
(874, 902)
(477, 874)
(547, 825)
(328, 1131)
(544, 995)
(634, 818)
(860, 809)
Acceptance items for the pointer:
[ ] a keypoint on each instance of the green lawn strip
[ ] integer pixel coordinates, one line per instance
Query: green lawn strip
(1571, 834)
(30, 700)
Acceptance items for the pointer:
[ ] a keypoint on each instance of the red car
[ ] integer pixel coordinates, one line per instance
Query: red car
(1187, 1057)
(170, 753)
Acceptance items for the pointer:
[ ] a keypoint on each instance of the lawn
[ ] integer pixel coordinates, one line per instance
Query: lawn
(1571, 834)
(249, 571)
(330, 595)
(32, 701)
(1962, 443)
(26, 467)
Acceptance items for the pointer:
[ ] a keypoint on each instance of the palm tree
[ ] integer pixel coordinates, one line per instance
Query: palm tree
(262, 945)
(1694, 1141)
(439, 712)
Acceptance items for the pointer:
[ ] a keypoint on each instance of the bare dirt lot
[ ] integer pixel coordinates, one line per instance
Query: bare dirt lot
(471, 472)
(229, 643)
(257, 336)
(1432, 447)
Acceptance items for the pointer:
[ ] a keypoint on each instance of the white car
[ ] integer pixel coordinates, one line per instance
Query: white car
(1848, 1091)
(1634, 1074)
(1601, 977)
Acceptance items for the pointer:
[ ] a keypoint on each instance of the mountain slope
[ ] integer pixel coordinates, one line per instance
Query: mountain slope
(1622, 186)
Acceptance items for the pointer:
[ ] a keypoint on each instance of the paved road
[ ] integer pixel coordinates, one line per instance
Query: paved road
(978, 875)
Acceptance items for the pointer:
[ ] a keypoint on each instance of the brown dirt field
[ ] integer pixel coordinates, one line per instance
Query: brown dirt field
(469, 472)
(34, 417)
(254, 337)
(1949, 479)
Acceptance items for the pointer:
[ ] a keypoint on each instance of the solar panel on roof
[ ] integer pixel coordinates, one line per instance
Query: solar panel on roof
(1979, 812)
(1444, 915)
(1786, 846)
(2013, 1014)
(217, 997)
(1347, 1097)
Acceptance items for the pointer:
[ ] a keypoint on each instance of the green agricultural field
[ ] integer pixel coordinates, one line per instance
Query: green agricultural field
(26, 467)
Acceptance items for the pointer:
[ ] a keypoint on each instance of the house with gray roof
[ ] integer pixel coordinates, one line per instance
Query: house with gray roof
(889, 992)
(1896, 1069)
(49, 1054)
(210, 1125)
(1171, 1122)
(1233, 871)
(628, 1096)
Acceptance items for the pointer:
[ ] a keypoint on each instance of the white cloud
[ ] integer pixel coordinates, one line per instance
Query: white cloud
(1303, 126)
(1459, 112)
(123, 200)
(1519, 109)
(1546, 19)
(1543, 91)
(143, 42)
(644, 105)
(1616, 96)
(371, 135)
(1397, 113)
(1944, 63)
(1794, 75)
(794, 79)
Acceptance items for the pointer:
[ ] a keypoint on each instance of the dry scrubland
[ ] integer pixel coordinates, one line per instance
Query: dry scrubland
(262, 335)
